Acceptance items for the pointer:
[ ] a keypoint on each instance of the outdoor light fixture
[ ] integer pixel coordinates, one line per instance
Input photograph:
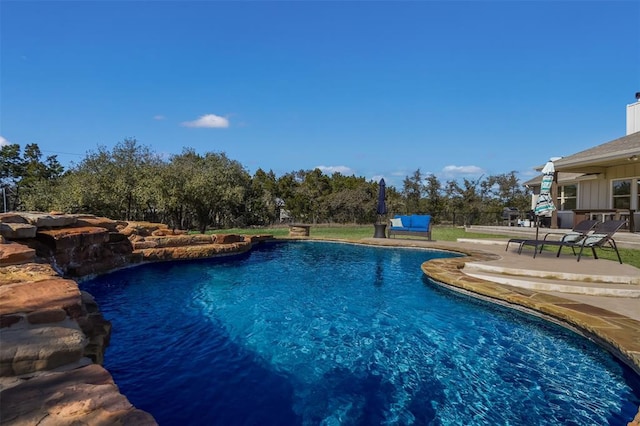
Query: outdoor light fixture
(633, 158)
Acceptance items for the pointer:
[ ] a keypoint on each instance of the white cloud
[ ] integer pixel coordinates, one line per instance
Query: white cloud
(159, 117)
(208, 121)
(461, 170)
(3, 141)
(333, 169)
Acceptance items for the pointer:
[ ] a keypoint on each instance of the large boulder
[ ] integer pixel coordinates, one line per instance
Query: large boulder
(44, 220)
(26, 272)
(82, 250)
(260, 238)
(100, 222)
(200, 251)
(95, 327)
(26, 307)
(67, 238)
(142, 228)
(25, 351)
(15, 254)
(84, 396)
(228, 238)
(12, 217)
(178, 240)
(48, 294)
(16, 231)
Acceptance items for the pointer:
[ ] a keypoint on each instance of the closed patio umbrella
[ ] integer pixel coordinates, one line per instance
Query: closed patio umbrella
(544, 204)
(382, 205)
(381, 210)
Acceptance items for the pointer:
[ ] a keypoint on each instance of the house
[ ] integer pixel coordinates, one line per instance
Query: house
(601, 182)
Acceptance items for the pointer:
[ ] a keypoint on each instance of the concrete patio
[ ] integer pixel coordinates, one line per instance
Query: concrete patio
(623, 239)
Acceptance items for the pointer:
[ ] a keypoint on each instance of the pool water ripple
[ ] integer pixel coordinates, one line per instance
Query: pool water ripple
(326, 333)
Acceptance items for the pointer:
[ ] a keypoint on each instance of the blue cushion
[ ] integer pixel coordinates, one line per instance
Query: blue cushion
(406, 220)
(420, 221)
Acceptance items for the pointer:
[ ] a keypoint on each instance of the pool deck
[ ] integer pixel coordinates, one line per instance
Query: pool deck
(596, 297)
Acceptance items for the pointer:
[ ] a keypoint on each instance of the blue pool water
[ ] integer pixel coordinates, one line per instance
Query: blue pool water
(325, 333)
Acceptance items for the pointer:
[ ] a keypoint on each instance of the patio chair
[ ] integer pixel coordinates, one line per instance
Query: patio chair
(579, 231)
(602, 237)
(577, 234)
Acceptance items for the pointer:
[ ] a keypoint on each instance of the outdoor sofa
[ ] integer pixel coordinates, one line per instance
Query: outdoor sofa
(415, 224)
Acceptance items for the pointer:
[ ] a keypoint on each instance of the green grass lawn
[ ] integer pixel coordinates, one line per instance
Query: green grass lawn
(354, 232)
(441, 233)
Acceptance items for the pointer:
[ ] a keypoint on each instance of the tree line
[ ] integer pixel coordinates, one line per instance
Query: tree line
(200, 191)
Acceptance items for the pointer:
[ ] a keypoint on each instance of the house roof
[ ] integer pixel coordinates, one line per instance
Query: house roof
(594, 160)
(563, 178)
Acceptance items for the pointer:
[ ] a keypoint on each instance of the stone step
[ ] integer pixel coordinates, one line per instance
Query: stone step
(472, 267)
(557, 285)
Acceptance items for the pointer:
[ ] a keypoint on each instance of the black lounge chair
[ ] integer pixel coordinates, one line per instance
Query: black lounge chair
(579, 231)
(577, 234)
(602, 237)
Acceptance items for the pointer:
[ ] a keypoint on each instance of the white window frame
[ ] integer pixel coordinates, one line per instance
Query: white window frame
(634, 203)
(560, 199)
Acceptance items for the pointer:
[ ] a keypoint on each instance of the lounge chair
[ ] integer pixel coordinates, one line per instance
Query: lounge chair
(602, 237)
(579, 231)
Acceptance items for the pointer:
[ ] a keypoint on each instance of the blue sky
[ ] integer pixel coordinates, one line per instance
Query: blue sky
(375, 89)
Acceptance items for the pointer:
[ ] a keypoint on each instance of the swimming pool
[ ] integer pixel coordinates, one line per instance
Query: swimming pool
(328, 333)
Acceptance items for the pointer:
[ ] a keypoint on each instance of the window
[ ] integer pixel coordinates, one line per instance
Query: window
(567, 197)
(621, 194)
